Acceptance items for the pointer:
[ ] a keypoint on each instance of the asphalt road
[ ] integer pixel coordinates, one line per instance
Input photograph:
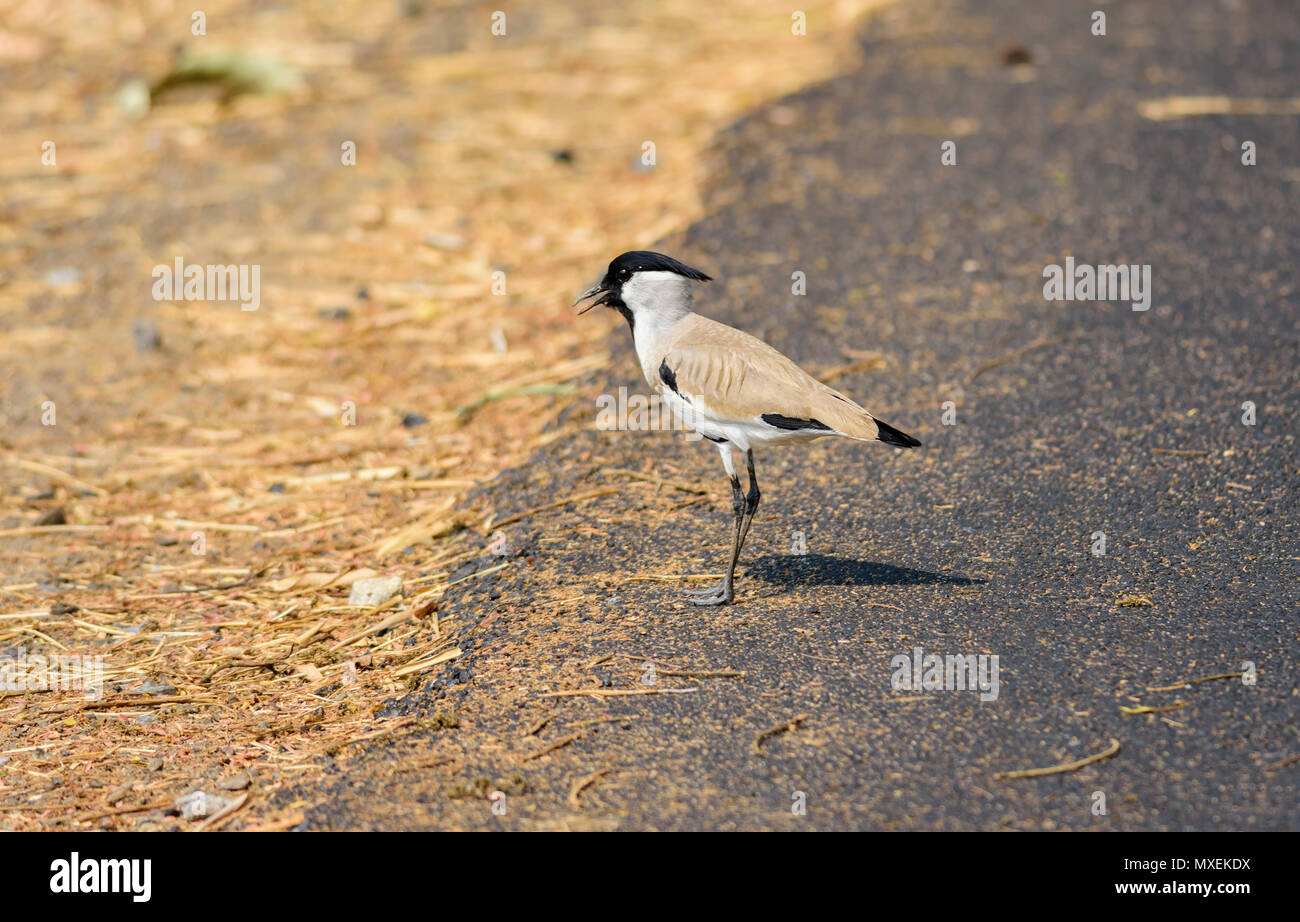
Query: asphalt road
(1071, 418)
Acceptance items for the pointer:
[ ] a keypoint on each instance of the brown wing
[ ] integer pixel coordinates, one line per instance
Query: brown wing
(738, 378)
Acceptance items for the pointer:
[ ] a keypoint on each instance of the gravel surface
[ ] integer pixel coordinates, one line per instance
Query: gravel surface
(1072, 418)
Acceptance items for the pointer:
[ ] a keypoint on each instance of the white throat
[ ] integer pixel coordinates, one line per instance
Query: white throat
(658, 302)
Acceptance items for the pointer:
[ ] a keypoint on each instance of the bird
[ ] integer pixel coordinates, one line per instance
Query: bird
(732, 388)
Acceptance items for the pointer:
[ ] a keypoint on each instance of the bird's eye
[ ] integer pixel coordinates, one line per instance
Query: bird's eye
(624, 274)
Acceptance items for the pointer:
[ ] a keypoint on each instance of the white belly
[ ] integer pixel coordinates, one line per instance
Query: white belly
(742, 434)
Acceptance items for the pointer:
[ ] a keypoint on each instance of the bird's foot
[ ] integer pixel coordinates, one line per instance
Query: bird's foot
(720, 594)
(707, 590)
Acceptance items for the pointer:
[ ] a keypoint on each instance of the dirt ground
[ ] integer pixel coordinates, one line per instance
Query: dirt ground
(191, 488)
(1146, 684)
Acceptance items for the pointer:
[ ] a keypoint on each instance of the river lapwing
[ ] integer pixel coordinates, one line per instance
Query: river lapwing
(733, 389)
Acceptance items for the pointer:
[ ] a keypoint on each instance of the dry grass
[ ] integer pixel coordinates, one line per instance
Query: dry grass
(512, 154)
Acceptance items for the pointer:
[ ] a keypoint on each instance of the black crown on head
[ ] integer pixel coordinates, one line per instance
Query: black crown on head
(648, 261)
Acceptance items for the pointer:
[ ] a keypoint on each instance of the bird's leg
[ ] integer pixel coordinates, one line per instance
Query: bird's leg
(722, 593)
(751, 498)
(745, 505)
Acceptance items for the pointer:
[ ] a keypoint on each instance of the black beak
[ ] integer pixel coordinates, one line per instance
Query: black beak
(591, 292)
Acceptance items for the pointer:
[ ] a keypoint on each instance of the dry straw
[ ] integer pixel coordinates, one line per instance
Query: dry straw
(200, 509)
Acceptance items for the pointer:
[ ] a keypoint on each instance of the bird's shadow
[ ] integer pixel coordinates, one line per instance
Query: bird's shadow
(825, 570)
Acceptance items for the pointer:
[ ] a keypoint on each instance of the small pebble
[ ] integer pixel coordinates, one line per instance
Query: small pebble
(440, 241)
(1015, 55)
(152, 687)
(235, 782)
(147, 337)
(132, 98)
(376, 591)
(55, 516)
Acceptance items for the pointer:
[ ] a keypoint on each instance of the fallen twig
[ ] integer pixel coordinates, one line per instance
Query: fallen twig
(660, 481)
(581, 784)
(672, 577)
(577, 498)
(157, 804)
(391, 621)
(1011, 356)
(615, 692)
(55, 474)
(558, 744)
(132, 702)
(424, 763)
(1187, 682)
(1174, 107)
(532, 731)
(48, 530)
(1058, 769)
(377, 734)
(1144, 709)
(222, 815)
(443, 657)
(791, 724)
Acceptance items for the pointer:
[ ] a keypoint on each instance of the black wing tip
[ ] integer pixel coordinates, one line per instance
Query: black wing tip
(891, 436)
(794, 424)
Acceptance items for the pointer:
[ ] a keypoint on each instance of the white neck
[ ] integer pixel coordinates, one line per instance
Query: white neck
(658, 301)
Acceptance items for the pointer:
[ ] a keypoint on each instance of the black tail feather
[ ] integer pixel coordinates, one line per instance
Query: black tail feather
(891, 436)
